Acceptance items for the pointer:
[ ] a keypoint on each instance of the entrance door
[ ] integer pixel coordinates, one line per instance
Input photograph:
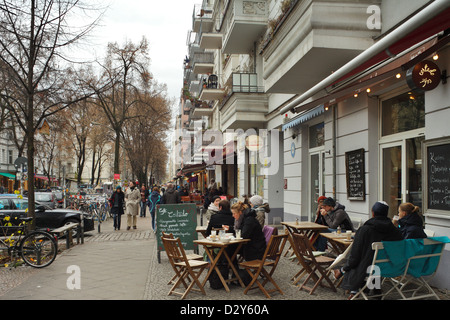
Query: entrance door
(316, 180)
(401, 179)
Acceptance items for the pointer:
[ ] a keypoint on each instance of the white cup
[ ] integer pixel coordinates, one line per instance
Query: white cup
(238, 234)
(349, 235)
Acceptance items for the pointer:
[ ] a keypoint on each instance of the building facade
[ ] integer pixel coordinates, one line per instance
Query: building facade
(349, 99)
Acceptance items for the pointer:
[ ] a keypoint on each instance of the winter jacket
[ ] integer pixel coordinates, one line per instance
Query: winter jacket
(212, 210)
(251, 229)
(339, 218)
(117, 202)
(171, 196)
(153, 200)
(219, 219)
(411, 226)
(361, 255)
(261, 213)
(133, 199)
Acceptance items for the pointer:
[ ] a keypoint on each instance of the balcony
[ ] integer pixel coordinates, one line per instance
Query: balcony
(202, 18)
(211, 40)
(245, 21)
(246, 105)
(203, 62)
(211, 90)
(311, 40)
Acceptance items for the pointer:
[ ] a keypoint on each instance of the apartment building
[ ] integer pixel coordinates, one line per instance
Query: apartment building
(349, 99)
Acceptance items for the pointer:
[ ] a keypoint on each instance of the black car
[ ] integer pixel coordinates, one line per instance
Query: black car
(13, 206)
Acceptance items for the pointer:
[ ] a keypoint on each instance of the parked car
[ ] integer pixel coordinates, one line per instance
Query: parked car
(11, 205)
(47, 198)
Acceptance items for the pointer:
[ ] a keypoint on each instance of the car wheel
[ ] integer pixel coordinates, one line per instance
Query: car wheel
(75, 230)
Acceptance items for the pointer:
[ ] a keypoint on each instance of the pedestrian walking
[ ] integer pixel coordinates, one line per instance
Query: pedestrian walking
(117, 202)
(153, 200)
(144, 201)
(132, 198)
(171, 196)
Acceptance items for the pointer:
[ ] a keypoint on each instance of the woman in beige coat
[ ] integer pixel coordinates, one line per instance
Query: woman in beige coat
(132, 199)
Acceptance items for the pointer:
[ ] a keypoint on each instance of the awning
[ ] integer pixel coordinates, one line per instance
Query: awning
(8, 175)
(308, 115)
(45, 178)
(378, 75)
(191, 168)
(430, 21)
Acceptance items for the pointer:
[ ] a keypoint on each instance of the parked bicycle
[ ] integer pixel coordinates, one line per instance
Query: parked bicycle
(37, 249)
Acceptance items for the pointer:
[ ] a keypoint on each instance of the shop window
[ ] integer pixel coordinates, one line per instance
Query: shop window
(403, 113)
(317, 135)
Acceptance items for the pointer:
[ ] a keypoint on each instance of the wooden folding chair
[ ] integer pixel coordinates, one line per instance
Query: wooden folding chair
(176, 268)
(187, 271)
(185, 199)
(312, 264)
(270, 259)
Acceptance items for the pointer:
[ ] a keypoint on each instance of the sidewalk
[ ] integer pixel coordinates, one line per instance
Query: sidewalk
(123, 265)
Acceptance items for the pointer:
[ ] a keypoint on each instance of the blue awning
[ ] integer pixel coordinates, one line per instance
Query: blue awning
(308, 115)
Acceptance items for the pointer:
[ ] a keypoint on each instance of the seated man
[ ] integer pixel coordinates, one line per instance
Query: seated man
(379, 228)
(335, 215)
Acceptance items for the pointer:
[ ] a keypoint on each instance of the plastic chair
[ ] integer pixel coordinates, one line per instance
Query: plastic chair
(270, 260)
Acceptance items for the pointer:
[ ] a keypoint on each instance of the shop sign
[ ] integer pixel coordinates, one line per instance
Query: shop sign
(424, 76)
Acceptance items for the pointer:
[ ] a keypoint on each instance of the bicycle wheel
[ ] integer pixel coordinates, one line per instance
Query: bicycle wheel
(38, 249)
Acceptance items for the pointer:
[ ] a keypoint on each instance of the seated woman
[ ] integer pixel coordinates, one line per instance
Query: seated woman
(222, 219)
(250, 229)
(410, 223)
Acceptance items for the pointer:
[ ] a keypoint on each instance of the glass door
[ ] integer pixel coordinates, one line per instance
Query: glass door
(401, 181)
(316, 180)
(392, 177)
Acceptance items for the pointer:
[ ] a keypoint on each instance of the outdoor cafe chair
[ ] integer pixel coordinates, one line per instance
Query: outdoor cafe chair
(187, 271)
(408, 265)
(270, 260)
(314, 266)
(186, 199)
(178, 268)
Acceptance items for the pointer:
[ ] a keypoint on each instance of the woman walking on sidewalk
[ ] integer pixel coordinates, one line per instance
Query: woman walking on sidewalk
(132, 197)
(117, 202)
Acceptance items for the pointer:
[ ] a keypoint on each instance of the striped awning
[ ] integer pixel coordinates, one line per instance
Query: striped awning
(305, 116)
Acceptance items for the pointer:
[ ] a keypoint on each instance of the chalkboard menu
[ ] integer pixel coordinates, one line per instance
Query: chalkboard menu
(356, 175)
(437, 175)
(180, 220)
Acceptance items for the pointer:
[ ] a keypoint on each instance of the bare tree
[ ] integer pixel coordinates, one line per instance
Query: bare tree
(33, 37)
(126, 71)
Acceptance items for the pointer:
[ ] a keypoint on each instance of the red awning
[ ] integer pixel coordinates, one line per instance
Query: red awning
(438, 24)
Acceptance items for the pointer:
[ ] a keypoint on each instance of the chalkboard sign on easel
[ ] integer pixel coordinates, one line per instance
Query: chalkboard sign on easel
(181, 221)
(436, 177)
(356, 175)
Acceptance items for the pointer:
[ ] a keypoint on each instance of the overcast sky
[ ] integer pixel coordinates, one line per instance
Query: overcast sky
(164, 23)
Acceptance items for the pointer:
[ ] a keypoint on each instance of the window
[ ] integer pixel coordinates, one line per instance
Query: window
(403, 113)
(4, 204)
(21, 204)
(317, 135)
(10, 157)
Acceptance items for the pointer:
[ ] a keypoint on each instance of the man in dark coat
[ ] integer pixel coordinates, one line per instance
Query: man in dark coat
(251, 229)
(117, 201)
(379, 228)
(171, 196)
(335, 215)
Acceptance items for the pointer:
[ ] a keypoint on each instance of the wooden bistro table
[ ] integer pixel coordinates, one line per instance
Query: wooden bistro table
(310, 229)
(209, 246)
(202, 230)
(339, 242)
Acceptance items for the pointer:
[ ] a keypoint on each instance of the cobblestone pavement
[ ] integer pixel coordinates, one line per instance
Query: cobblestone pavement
(123, 265)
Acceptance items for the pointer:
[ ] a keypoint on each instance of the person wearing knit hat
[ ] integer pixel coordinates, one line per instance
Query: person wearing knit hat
(256, 201)
(378, 228)
(262, 209)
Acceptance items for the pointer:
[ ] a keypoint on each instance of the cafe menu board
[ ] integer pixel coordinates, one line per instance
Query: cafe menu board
(356, 173)
(179, 220)
(436, 179)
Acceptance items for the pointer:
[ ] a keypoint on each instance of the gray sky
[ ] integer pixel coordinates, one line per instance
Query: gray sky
(164, 23)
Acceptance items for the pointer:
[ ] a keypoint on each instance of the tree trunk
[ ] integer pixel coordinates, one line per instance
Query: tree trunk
(117, 154)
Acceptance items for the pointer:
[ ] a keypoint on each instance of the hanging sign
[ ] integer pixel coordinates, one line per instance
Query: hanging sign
(424, 76)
